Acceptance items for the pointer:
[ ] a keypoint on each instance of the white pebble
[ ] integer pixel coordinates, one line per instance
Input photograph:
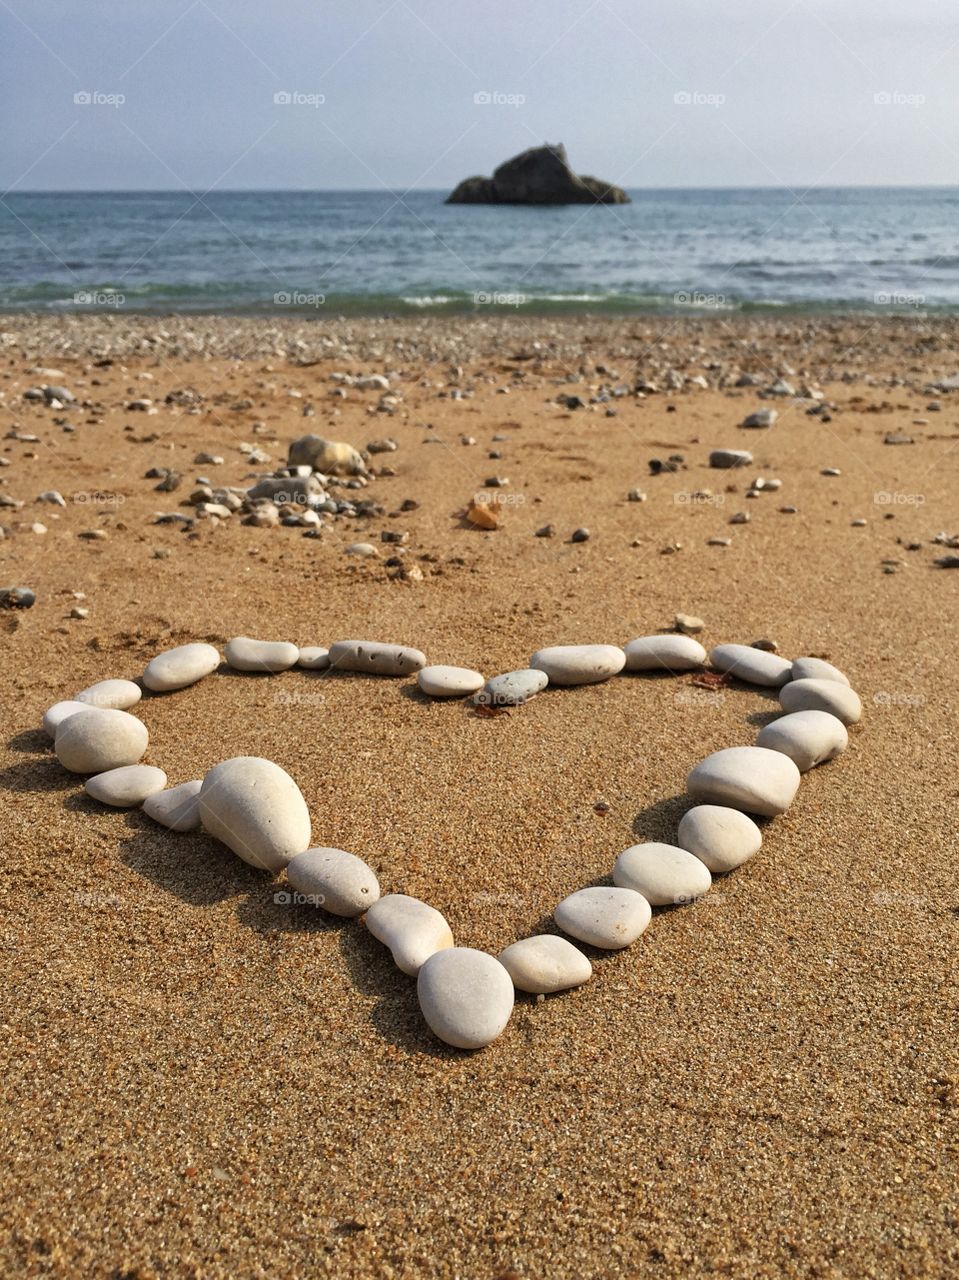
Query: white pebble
(603, 917)
(177, 808)
(466, 997)
(126, 787)
(817, 669)
(720, 837)
(376, 658)
(754, 666)
(411, 929)
(55, 716)
(822, 695)
(664, 653)
(314, 658)
(662, 873)
(335, 880)
(545, 964)
(449, 682)
(115, 695)
(97, 739)
(177, 668)
(750, 778)
(244, 654)
(571, 664)
(257, 810)
(512, 688)
(807, 737)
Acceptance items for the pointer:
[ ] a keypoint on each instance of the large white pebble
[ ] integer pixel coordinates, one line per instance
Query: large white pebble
(817, 669)
(335, 880)
(411, 929)
(314, 658)
(448, 682)
(375, 658)
(177, 668)
(257, 810)
(807, 737)
(512, 688)
(115, 695)
(822, 695)
(98, 739)
(720, 837)
(569, 664)
(466, 997)
(604, 917)
(55, 716)
(664, 875)
(177, 808)
(755, 666)
(545, 964)
(126, 787)
(754, 779)
(244, 654)
(664, 653)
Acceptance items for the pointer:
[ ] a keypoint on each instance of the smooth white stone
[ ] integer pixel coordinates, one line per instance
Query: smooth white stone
(335, 880)
(314, 658)
(411, 929)
(257, 810)
(726, 458)
(126, 787)
(570, 664)
(466, 997)
(603, 917)
(817, 669)
(512, 688)
(754, 779)
(664, 653)
(720, 837)
(55, 716)
(375, 658)
(97, 739)
(449, 682)
(807, 737)
(177, 668)
(665, 875)
(244, 654)
(545, 964)
(115, 695)
(755, 666)
(822, 695)
(177, 808)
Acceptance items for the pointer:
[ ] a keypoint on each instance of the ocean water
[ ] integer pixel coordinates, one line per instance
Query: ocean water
(363, 251)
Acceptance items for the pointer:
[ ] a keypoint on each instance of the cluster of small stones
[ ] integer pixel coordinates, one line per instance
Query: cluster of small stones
(466, 995)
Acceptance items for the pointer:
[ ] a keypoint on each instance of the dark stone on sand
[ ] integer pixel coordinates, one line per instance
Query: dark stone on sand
(540, 175)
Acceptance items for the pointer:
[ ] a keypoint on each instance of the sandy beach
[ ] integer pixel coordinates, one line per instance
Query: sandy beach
(202, 1080)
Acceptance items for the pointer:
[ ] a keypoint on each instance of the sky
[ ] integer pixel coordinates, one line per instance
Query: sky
(400, 94)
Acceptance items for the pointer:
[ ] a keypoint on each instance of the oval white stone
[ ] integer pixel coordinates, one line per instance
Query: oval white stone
(177, 668)
(665, 875)
(411, 929)
(115, 695)
(97, 739)
(822, 695)
(755, 666)
(55, 716)
(722, 838)
(604, 917)
(664, 653)
(754, 779)
(807, 737)
(817, 669)
(244, 654)
(466, 997)
(569, 664)
(177, 808)
(314, 658)
(256, 809)
(449, 682)
(544, 964)
(512, 688)
(126, 787)
(375, 658)
(339, 882)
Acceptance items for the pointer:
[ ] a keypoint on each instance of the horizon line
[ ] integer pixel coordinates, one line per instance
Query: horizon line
(387, 191)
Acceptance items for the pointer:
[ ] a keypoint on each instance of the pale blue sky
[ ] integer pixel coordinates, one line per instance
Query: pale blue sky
(817, 92)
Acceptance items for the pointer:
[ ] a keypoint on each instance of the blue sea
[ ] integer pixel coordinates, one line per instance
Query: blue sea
(894, 249)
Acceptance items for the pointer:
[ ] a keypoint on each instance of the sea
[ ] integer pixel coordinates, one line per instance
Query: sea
(378, 252)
